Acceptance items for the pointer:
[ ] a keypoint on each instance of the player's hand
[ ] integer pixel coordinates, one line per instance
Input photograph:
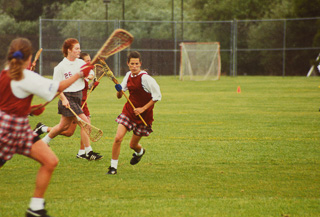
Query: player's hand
(118, 87)
(95, 84)
(86, 68)
(38, 111)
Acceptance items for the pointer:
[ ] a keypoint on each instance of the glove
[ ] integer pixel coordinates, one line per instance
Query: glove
(95, 84)
(37, 111)
(118, 87)
(86, 68)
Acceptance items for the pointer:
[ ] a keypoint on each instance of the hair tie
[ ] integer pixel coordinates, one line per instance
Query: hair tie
(18, 55)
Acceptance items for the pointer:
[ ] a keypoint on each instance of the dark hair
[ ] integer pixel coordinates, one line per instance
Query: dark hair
(19, 51)
(68, 44)
(83, 55)
(134, 54)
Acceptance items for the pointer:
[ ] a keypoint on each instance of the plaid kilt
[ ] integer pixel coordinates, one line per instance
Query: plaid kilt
(16, 136)
(138, 130)
(74, 99)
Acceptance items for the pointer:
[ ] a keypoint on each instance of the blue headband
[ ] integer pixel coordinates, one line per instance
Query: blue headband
(18, 55)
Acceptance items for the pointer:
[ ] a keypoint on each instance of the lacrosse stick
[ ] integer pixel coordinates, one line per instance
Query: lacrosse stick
(35, 59)
(99, 70)
(112, 78)
(93, 132)
(118, 40)
(46, 103)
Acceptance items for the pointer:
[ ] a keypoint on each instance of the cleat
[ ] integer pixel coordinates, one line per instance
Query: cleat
(135, 159)
(38, 128)
(112, 171)
(82, 156)
(38, 213)
(93, 156)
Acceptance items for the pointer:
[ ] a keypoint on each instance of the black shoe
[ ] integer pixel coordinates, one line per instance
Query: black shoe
(135, 159)
(82, 156)
(39, 213)
(37, 129)
(112, 171)
(93, 156)
(2, 162)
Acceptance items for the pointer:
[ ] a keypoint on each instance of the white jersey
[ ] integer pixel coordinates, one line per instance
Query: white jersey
(33, 83)
(65, 69)
(149, 84)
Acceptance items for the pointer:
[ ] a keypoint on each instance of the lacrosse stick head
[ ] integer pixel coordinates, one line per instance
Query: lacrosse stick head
(118, 41)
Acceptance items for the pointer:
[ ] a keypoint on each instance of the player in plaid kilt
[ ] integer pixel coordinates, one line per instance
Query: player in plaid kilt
(144, 93)
(17, 87)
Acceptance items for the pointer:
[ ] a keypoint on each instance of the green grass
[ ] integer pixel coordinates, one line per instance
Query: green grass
(213, 152)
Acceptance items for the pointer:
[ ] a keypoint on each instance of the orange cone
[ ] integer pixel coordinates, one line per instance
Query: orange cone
(238, 89)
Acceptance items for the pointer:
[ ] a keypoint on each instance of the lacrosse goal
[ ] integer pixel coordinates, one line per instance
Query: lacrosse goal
(200, 61)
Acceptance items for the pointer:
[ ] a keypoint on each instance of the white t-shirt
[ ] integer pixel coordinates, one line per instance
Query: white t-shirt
(33, 83)
(65, 69)
(149, 84)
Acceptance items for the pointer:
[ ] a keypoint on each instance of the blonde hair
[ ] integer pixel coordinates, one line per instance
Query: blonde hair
(19, 52)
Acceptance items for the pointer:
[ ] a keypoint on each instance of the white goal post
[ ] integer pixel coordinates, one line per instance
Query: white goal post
(200, 61)
(314, 68)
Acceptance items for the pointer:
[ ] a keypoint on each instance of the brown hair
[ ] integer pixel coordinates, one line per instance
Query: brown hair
(68, 44)
(134, 54)
(19, 52)
(83, 55)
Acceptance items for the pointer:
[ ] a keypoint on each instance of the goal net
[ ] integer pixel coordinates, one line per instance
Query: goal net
(200, 61)
(315, 68)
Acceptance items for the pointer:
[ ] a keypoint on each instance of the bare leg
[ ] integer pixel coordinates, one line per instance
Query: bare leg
(134, 143)
(121, 132)
(41, 152)
(63, 125)
(84, 136)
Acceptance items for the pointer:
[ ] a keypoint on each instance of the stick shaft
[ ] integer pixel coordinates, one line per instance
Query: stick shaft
(117, 82)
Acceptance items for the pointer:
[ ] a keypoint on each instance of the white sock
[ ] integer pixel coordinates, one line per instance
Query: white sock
(36, 203)
(46, 139)
(81, 152)
(140, 153)
(114, 163)
(88, 149)
(44, 129)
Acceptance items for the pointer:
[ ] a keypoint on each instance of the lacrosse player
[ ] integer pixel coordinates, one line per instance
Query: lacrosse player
(144, 93)
(17, 87)
(72, 96)
(42, 128)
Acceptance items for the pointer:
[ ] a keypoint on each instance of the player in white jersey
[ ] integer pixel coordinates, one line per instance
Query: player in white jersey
(71, 97)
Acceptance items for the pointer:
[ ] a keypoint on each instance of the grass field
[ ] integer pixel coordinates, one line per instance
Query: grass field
(213, 152)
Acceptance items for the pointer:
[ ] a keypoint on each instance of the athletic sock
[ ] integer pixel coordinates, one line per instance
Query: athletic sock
(36, 203)
(81, 152)
(140, 153)
(46, 139)
(114, 163)
(44, 129)
(88, 149)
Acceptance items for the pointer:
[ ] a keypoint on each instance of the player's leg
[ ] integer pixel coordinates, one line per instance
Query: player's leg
(121, 132)
(139, 151)
(63, 125)
(82, 153)
(91, 155)
(48, 160)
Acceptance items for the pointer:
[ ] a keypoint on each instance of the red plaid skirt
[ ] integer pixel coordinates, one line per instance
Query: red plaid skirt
(16, 136)
(138, 130)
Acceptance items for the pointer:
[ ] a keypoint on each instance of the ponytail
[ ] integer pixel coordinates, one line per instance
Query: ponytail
(18, 53)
